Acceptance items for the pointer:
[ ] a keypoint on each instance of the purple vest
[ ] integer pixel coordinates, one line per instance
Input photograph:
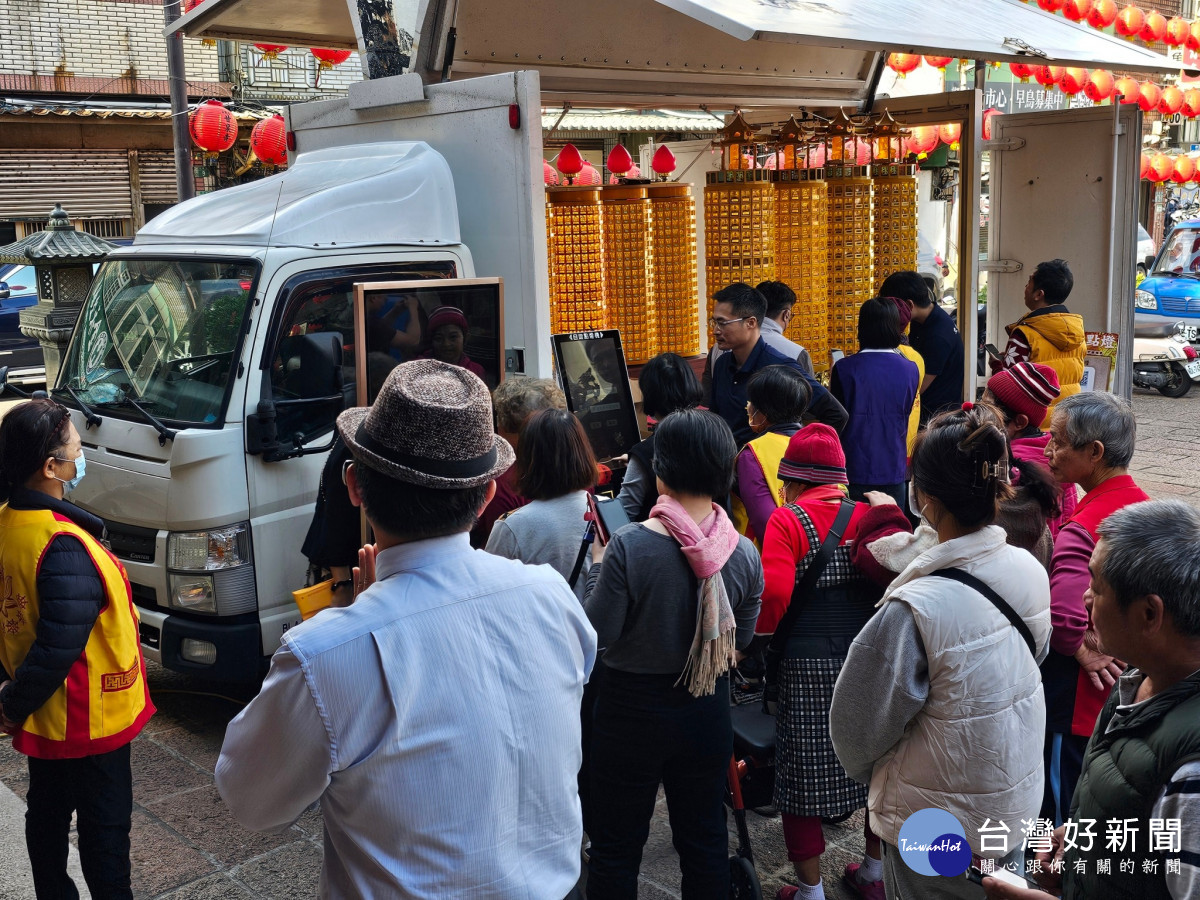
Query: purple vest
(877, 390)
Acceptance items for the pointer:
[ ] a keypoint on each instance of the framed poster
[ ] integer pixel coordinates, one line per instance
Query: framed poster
(596, 382)
(1100, 363)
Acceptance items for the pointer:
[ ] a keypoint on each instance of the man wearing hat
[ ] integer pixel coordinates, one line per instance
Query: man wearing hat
(442, 769)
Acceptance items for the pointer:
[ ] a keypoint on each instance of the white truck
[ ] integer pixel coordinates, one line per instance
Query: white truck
(205, 348)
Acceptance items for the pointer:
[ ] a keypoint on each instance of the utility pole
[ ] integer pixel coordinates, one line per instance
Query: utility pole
(185, 182)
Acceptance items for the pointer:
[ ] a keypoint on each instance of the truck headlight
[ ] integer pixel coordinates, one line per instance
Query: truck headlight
(212, 571)
(1144, 300)
(194, 593)
(209, 551)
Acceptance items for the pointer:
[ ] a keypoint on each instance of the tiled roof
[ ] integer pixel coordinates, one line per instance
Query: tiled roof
(649, 120)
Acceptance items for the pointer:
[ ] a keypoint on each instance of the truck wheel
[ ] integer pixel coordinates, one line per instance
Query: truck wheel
(1178, 381)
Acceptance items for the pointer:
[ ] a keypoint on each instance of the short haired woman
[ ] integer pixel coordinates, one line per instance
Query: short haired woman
(448, 338)
(671, 600)
(555, 468)
(667, 383)
(68, 615)
(877, 386)
(776, 400)
(939, 703)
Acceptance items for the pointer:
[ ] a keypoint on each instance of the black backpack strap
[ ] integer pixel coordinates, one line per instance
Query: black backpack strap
(969, 580)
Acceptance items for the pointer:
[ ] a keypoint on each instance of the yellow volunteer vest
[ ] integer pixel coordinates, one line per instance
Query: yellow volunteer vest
(104, 701)
(1064, 354)
(767, 450)
(914, 417)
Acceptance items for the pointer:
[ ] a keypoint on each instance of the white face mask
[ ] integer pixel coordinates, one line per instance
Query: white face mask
(913, 506)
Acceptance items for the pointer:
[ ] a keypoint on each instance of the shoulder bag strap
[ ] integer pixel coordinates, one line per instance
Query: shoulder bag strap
(783, 630)
(969, 580)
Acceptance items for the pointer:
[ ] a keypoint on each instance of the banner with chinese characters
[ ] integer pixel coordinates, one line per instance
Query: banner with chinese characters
(1100, 364)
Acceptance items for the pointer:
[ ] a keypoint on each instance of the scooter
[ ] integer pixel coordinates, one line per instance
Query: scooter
(1165, 362)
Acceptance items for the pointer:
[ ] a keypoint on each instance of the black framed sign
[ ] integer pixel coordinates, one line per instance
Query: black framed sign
(596, 382)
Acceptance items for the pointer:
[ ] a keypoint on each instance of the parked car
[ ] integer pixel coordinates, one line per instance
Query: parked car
(1171, 291)
(22, 355)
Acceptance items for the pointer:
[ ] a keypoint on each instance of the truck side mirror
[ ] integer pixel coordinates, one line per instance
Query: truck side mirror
(316, 379)
(320, 372)
(4, 291)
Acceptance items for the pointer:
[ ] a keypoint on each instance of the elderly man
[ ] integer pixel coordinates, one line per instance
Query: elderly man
(1092, 437)
(1143, 762)
(441, 769)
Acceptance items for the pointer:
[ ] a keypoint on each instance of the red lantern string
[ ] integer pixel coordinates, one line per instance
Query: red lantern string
(1177, 32)
(1073, 80)
(1077, 10)
(213, 127)
(923, 140)
(950, 133)
(1103, 14)
(939, 62)
(1047, 76)
(271, 51)
(1130, 21)
(1022, 71)
(548, 174)
(588, 175)
(1151, 94)
(988, 115)
(1161, 167)
(1171, 100)
(268, 140)
(1130, 89)
(327, 59)
(1155, 27)
(1099, 86)
(1051, 5)
(1145, 166)
(1191, 103)
(1192, 42)
(903, 63)
(1184, 169)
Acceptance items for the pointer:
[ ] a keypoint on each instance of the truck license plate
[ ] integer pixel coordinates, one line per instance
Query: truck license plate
(1193, 368)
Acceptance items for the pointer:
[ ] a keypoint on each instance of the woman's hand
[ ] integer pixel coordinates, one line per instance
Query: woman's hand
(879, 498)
(597, 550)
(364, 572)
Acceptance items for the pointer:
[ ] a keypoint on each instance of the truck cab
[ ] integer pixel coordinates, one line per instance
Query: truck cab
(1170, 292)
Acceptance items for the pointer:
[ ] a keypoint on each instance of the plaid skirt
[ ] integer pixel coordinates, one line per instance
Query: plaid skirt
(809, 780)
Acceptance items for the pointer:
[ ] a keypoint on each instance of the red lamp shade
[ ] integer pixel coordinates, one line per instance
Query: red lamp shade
(1161, 167)
(939, 62)
(619, 161)
(1022, 71)
(1103, 14)
(1191, 103)
(903, 63)
(1051, 5)
(570, 163)
(1177, 32)
(1130, 21)
(986, 125)
(330, 58)
(1145, 166)
(663, 161)
(1100, 85)
(1155, 28)
(924, 138)
(268, 140)
(950, 134)
(271, 51)
(1184, 171)
(548, 174)
(1047, 76)
(1193, 39)
(1129, 89)
(1077, 10)
(1151, 94)
(1171, 100)
(1073, 80)
(212, 127)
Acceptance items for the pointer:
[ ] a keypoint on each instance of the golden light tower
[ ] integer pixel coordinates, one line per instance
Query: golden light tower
(895, 201)
(673, 255)
(576, 259)
(851, 227)
(629, 270)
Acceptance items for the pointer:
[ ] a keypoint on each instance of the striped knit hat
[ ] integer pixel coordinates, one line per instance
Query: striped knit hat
(814, 456)
(1027, 388)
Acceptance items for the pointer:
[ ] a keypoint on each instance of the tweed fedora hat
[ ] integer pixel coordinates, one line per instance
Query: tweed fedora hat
(431, 425)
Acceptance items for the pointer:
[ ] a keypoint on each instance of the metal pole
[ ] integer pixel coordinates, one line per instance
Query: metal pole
(185, 182)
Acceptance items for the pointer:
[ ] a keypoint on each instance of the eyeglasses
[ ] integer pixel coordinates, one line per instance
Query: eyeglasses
(720, 324)
(346, 468)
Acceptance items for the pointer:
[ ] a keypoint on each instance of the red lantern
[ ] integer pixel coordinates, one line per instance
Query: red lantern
(268, 140)
(903, 63)
(988, 116)
(1191, 103)
(1130, 21)
(327, 59)
(1130, 89)
(1171, 100)
(570, 163)
(1161, 167)
(1047, 76)
(1145, 166)
(189, 5)
(1192, 42)
(1099, 86)
(939, 62)
(1151, 94)
(271, 51)
(213, 127)
(619, 161)
(1022, 71)
(815, 158)
(1177, 32)
(1155, 28)
(1103, 14)
(548, 174)
(1184, 171)
(1077, 10)
(589, 175)
(924, 138)
(950, 134)
(1073, 80)
(1051, 5)
(663, 161)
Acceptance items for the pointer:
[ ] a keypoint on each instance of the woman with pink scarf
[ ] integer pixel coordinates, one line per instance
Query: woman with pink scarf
(672, 600)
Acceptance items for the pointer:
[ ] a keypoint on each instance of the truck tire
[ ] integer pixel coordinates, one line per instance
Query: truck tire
(1178, 381)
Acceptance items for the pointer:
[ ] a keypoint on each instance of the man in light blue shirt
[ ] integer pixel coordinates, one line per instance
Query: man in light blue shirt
(437, 718)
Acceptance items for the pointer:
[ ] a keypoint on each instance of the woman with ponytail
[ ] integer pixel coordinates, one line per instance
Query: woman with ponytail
(939, 702)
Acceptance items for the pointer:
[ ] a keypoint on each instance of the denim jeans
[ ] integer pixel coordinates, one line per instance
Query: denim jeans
(648, 732)
(99, 790)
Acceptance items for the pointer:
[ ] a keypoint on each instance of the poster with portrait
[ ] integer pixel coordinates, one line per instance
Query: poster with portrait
(596, 382)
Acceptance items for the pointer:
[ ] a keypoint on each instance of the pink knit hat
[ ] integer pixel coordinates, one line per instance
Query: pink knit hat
(1027, 388)
(814, 456)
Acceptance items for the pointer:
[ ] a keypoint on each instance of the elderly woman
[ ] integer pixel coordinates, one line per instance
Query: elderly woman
(939, 703)
(1092, 436)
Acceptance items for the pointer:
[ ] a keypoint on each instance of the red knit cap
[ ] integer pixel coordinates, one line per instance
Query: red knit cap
(1027, 388)
(814, 456)
(904, 307)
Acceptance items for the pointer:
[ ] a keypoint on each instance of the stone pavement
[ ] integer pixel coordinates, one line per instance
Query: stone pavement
(186, 846)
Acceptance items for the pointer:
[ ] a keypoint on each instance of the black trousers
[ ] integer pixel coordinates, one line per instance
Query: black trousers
(99, 790)
(646, 732)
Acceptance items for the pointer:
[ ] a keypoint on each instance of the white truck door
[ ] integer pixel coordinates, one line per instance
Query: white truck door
(1064, 186)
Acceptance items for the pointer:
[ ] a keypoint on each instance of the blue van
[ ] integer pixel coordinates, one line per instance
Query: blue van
(1170, 293)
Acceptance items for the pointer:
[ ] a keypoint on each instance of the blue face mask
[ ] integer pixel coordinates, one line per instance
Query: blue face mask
(80, 467)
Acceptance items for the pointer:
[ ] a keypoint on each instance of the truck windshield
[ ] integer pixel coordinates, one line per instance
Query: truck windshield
(1181, 253)
(162, 332)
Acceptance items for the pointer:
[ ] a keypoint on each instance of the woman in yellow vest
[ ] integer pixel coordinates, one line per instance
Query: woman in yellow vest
(73, 692)
(777, 398)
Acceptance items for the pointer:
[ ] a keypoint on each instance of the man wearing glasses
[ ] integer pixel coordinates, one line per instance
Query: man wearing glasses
(737, 328)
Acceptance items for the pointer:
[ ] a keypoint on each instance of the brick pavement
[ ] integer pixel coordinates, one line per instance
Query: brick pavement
(187, 846)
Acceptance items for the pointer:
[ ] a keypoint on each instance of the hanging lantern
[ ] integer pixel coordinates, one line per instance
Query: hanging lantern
(1177, 32)
(1151, 94)
(903, 63)
(1171, 100)
(1191, 103)
(1130, 21)
(1192, 42)
(939, 62)
(270, 51)
(1073, 80)
(1155, 27)
(570, 162)
(988, 115)
(1047, 76)
(1103, 14)
(1130, 89)
(1077, 10)
(923, 141)
(816, 157)
(588, 174)
(663, 162)
(619, 161)
(549, 176)
(1145, 166)
(1161, 167)
(327, 59)
(1184, 170)
(212, 127)
(268, 140)
(188, 6)
(1051, 5)
(1022, 71)
(1099, 86)
(950, 133)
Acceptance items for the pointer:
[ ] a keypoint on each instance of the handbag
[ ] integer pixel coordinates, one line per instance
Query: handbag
(783, 631)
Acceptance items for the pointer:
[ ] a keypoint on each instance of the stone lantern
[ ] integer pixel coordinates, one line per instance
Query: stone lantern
(63, 259)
